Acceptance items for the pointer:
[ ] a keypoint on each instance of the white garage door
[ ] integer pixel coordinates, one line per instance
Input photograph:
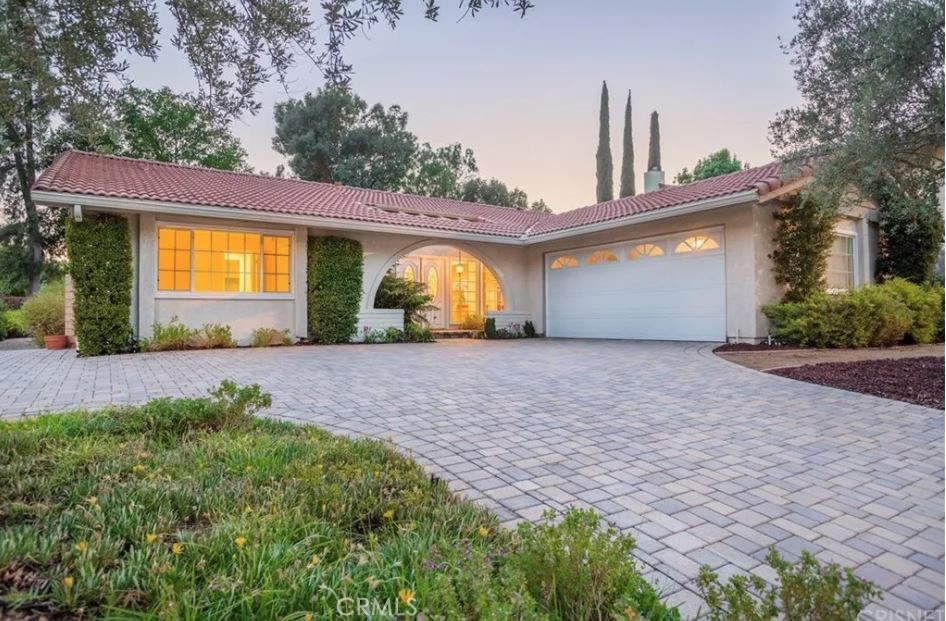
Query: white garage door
(664, 288)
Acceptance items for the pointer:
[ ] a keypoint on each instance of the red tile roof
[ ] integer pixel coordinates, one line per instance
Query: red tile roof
(76, 172)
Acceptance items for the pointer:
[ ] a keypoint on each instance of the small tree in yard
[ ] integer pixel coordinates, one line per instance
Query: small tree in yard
(911, 227)
(409, 295)
(721, 162)
(803, 237)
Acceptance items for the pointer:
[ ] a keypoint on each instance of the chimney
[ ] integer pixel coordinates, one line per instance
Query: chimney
(654, 176)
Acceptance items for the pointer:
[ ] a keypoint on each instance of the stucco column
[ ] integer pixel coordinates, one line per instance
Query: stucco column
(147, 273)
(300, 270)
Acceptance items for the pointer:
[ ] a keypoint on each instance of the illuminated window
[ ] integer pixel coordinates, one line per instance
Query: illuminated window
(645, 250)
(174, 259)
(602, 256)
(463, 298)
(564, 261)
(840, 270)
(409, 273)
(697, 243)
(213, 261)
(433, 281)
(492, 292)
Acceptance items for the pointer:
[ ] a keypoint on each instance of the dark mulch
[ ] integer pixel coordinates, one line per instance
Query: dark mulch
(914, 380)
(722, 349)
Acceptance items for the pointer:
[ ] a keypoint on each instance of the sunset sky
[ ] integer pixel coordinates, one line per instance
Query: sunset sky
(523, 93)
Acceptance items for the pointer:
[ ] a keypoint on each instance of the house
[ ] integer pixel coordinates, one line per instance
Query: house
(687, 262)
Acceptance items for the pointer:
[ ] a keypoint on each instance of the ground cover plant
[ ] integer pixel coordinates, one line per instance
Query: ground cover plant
(196, 509)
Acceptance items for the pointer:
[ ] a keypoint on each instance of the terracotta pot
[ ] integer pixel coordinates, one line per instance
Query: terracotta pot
(55, 341)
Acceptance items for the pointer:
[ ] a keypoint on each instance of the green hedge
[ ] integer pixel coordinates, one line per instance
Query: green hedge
(876, 316)
(99, 250)
(336, 268)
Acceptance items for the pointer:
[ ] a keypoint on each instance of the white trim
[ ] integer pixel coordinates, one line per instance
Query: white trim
(186, 209)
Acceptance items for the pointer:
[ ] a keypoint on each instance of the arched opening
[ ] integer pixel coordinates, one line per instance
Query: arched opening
(464, 288)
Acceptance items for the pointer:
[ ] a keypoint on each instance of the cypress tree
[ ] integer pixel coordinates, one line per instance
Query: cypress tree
(653, 158)
(605, 168)
(627, 163)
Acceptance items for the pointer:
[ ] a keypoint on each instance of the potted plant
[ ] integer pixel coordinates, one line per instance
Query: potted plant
(45, 314)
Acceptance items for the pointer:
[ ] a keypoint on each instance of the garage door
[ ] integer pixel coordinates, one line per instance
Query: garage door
(664, 288)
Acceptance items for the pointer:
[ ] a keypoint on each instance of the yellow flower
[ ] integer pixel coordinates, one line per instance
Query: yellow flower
(308, 616)
(240, 542)
(177, 548)
(388, 514)
(151, 537)
(373, 582)
(68, 581)
(92, 500)
(316, 559)
(405, 595)
(631, 613)
(139, 468)
(82, 547)
(483, 531)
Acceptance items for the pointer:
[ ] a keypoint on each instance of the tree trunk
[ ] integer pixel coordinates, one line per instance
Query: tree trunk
(24, 156)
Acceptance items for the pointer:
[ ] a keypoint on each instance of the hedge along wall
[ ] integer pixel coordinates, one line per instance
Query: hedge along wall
(336, 269)
(99, 249)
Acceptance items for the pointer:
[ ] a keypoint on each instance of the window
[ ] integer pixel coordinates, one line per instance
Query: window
(840, 271)
(216, 261)
(492, 292)
(463, 298)
(433, 282)
(697, 243)
(602, 256)
(645, 250)
(564, 261)
(409, 273)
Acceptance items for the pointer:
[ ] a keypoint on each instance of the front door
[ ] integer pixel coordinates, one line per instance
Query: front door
(433, 277)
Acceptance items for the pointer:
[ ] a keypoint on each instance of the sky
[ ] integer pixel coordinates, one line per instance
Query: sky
(524, 93)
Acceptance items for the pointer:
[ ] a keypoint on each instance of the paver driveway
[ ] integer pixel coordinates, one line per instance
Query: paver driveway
(704, 461)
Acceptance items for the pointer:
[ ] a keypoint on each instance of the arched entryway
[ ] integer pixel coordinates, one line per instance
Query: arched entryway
(464, 288)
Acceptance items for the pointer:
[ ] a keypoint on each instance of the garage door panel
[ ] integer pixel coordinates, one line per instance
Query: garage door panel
(673, 297)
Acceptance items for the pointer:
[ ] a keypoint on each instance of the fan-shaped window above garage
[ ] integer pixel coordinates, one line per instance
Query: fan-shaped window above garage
(602, 256)
(645, 250)
(696, 243)
(564, 261)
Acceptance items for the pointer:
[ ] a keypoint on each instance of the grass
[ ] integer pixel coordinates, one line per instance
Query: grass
(196, 509)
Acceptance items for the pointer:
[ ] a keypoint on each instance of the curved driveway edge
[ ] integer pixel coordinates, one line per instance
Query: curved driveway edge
(702, 460)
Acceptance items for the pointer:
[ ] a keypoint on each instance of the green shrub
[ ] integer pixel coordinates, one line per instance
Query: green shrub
(4, 322)
(874, 316)
(489, 327)
(270, 337)
(335, 267)
(415, 333)
(472, 322)
(925, 304)
(577, 569)
(99, 249)
(176, 336)
(45, 312)
(806, 590)
(212, 336)
(412, 333)
(408, 295)
(16, 323)
(528, 328)
(804, 232)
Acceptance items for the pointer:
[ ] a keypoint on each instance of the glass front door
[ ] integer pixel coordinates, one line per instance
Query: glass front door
(464, 299)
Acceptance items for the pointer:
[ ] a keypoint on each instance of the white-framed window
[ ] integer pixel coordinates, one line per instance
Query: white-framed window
(208, 260)
(645, 250)
(840, 274)
(563, 262)
(601, 256)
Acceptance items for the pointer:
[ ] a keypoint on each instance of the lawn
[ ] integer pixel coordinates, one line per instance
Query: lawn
(196, 509)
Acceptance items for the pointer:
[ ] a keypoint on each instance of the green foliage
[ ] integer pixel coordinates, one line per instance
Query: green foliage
(441, 171)
(412, 333)
(45, 312)
(489, 327)
(528, 328)
(407, 295)
(874, 316)
(578, 569)
(270, 337)
(16, 323)
(627, 162)
(653, 154)
(334, 288)
(99, 250)
(803, 236)
(4, 323)
(168, 127)
(416, 333)
(805, 590)
(604, 168)
(472, 322)
(721, 162)
(871, 78)
(177, 336)
(911, 231)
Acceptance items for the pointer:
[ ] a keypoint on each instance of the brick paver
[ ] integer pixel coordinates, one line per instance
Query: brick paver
(702, 460)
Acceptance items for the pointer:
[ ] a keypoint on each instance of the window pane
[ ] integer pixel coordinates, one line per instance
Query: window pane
(182, 260)
(182, 239)
(236, 242)
(252, 241)
(165, 259)
(182, 281)
(202, 240)
(282, 265)
(282, 245)
(202, 261)
(166, 238)
(269, 244)
(202, 281)
(840, 268)
(269, 282)
(282, 283)
(218, 241)
(166, 280)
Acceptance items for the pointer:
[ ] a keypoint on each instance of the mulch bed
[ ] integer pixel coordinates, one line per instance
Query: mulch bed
(728, 347)
(914, 380)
